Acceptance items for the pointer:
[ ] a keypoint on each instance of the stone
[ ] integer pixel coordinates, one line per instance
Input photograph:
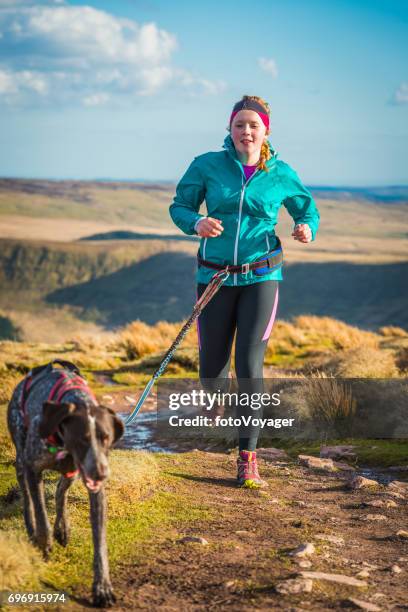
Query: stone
(398, 485)
(108, 398)
(381, 503)
(230, 583)
(401, 533)
(395, 494)
(299, 503)
(293, 586)
(363, 605)
(195, 539)
(316, 463)
(337, 452)
(338, 578)
(304, 550)
(330, 538)
(375, 517)
(244, 533)
(271, 454)
(396, 569)
(359, 482)
(363, 574)
(305, 563)
(130, 399)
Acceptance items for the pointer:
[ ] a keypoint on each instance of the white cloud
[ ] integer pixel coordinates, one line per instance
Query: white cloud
(268, 65)
(401, 94)
(69, 53)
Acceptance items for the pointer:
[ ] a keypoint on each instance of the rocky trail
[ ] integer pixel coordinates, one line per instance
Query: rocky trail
(312, 540)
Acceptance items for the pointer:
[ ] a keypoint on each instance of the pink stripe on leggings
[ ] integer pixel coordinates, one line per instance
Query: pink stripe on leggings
(273, 315)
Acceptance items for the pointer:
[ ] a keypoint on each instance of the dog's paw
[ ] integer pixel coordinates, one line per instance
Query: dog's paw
(44, 543)
(102, 595)
(61, 533)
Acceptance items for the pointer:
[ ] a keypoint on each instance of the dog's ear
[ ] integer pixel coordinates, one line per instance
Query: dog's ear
(52, 416)
(118, 425)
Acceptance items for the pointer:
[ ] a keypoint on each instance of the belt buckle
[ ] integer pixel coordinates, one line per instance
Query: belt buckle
(245, 268)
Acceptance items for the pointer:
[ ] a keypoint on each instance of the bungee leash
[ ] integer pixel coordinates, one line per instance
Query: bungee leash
(215, 283)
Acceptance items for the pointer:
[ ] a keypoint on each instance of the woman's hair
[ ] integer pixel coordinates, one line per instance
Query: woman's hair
(265, 150)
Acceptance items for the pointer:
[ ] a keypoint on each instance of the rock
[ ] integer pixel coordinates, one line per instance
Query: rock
(330, 538)
(108, 398)
(271, 454)
(130, 399)
(369, 566)
(195, 539)
(230, 583)
(304, 550)
(398, 485)
(402, 559)
(339, 578)
(396, 569)
(380, 503)
(244, 533)
(275, 501)
(401, 533)
(293, 586)
(305, 563)
(363, 605)
(375, 517)
(299, 503)
(337, 452)
(316, 463)
(395, 494)
(363, 574)
(359, 482)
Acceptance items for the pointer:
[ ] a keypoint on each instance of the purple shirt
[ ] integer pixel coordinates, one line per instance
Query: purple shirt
(248, 171)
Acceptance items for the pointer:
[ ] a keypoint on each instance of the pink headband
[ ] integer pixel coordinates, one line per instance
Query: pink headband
(251, 105)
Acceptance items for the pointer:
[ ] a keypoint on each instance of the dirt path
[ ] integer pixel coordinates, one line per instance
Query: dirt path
(250, 535)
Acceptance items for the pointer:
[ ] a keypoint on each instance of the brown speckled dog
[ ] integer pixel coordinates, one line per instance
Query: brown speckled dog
(71, 435)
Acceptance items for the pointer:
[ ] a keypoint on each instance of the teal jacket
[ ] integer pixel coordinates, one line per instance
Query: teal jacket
(248, 209)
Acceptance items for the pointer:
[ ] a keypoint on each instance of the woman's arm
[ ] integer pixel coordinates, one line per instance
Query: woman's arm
(299, 204)
(190, 194)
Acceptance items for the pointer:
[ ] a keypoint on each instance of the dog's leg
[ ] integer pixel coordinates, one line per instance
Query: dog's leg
(29, 519)
(43, 531)
(61, 526)
(102, 589)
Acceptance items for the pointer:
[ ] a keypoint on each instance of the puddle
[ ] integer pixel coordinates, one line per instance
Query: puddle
(138, 435)
(383, 476)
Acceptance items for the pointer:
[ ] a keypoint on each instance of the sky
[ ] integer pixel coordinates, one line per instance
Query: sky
(135, 89)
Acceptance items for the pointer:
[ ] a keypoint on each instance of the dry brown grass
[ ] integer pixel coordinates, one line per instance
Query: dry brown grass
(330, 404)
(20, 562)
(139, 339)
(365, 362)
(342, 336)
(393, 331)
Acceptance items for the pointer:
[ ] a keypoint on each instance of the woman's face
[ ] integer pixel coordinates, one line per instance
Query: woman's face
(248, 132)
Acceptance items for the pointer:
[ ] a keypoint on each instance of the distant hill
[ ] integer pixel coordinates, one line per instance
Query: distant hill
(114, 283)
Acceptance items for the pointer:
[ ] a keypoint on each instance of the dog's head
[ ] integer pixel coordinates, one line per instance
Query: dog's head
(88, 433)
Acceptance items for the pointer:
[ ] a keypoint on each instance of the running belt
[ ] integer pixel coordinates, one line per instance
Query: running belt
(272, 260)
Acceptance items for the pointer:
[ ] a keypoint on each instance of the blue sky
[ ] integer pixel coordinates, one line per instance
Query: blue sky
(136, 88)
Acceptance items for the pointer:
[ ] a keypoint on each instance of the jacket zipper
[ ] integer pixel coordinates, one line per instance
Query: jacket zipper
(267, 243)
(241, 201)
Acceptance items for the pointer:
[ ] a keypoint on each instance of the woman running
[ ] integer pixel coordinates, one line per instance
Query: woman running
(244, 187)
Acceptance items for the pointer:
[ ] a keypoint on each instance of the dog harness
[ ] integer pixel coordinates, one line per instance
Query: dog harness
(66, 381)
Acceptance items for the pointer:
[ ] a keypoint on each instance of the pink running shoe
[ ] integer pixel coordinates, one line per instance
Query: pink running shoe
(248, 475)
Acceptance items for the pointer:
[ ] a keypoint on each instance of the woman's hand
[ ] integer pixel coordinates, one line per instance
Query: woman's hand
(209, 227)
(302, 232)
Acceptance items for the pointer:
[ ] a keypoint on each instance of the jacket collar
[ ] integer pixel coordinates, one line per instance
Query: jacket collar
(230, 148)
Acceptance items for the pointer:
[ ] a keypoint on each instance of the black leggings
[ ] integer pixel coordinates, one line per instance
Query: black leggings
(248, 310)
